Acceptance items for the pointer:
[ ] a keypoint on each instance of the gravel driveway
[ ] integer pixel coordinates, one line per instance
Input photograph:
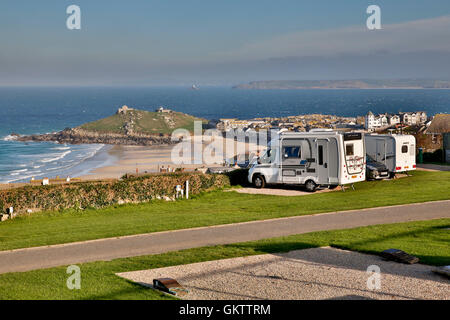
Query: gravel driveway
(318, 273)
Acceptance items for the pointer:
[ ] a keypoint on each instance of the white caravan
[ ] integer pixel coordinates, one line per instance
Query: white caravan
(315, 158)
(396, 151)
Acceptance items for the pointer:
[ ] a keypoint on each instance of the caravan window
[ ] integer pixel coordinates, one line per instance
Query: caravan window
(320, 155)
(291, 152)
(349, 150)
(404, 149)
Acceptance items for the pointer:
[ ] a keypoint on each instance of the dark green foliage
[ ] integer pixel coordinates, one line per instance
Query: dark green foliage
(98, 194)
(238, 177)
(436, 156)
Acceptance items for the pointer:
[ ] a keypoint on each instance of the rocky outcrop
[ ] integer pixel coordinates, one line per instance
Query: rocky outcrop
(81, 136)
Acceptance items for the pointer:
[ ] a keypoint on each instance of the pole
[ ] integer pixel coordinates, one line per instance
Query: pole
(187, 189)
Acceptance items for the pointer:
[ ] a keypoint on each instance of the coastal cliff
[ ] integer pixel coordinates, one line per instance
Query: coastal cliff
(81, 136)
(127, 127)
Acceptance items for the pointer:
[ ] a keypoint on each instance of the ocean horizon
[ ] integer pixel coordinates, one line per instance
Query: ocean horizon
(27, 110)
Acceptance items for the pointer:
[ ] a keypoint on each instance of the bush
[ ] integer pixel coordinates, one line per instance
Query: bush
(98, 194)
(238, 177)
(436, 156)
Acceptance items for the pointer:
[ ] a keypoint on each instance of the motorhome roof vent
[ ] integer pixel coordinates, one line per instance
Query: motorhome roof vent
(320, 130)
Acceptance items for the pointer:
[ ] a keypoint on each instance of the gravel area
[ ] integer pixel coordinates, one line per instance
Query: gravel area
(318, 273)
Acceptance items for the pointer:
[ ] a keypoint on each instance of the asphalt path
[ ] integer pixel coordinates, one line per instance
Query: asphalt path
(153, 243)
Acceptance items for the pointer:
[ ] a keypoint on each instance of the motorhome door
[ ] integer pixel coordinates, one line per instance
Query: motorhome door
(322, 161)
(381, 151)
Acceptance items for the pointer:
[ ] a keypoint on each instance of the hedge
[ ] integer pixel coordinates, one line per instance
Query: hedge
(99, 194)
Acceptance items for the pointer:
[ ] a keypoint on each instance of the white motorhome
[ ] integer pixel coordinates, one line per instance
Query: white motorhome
(315, 158)
(396, 151)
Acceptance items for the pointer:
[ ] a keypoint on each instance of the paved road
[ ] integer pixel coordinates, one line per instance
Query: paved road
(433, 167)
(153, 243)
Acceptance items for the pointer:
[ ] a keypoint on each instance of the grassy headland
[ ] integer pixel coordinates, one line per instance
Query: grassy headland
(126, 127)
(144, 122)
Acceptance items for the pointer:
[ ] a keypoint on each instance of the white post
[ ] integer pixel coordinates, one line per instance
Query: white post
(187, 189)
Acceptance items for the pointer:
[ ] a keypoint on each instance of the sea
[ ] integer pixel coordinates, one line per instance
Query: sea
(27, 110)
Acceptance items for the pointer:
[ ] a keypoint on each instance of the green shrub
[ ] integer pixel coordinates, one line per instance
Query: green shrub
(436, 156)
(98, 194)
(238, 177)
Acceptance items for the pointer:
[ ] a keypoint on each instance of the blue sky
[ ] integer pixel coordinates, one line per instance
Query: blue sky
(219, 42)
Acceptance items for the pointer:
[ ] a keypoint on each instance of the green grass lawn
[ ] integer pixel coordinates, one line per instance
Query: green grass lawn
(144, 122)
(428, 240)
(213, 208)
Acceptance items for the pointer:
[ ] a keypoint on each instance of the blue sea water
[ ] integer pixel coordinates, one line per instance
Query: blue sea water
(43, 110)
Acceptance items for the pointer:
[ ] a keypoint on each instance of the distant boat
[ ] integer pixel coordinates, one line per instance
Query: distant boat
(194, 87)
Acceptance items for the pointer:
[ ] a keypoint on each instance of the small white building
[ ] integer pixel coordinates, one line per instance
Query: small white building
(163, 110)
(394, 119)
(372, 122)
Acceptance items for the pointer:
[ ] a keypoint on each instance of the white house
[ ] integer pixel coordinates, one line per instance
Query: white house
(371, 121)
(394, 119)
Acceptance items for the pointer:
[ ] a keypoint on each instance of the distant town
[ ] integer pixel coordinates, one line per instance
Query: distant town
(369, 122)
(429, 131)
(294, 123)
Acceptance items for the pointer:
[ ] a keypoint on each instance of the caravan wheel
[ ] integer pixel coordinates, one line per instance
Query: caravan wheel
(259, 182)
(310, 186)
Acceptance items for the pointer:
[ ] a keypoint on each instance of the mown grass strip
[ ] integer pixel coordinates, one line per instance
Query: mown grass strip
(213, 208)
(428, 240)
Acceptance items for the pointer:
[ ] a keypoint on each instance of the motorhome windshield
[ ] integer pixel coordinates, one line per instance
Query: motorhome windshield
(268, 156)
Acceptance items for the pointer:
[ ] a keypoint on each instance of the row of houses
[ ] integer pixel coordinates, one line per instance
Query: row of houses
(298, 123)
(373, 122)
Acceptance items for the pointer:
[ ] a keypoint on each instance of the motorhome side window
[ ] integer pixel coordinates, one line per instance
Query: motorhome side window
(349, 150)
(404, 149)
(291, 152)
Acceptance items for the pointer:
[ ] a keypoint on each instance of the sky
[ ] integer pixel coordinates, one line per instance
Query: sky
(211, 42)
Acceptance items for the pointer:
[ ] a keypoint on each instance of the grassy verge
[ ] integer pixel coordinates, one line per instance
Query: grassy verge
(213, 208)
(428, 240)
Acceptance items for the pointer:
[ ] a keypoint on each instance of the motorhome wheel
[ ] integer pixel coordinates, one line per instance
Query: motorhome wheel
(259, 182)
(310, 186)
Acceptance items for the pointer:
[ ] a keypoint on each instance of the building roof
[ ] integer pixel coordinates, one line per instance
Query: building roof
(440, 124)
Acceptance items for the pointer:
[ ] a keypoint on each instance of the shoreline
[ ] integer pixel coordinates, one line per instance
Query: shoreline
(114, 161)
(124, 159)
(148, 159)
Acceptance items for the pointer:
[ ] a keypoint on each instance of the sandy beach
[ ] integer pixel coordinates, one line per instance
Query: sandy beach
(128, 159)
(147, 159)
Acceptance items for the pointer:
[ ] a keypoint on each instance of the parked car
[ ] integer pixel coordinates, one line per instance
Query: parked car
(375, 170)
